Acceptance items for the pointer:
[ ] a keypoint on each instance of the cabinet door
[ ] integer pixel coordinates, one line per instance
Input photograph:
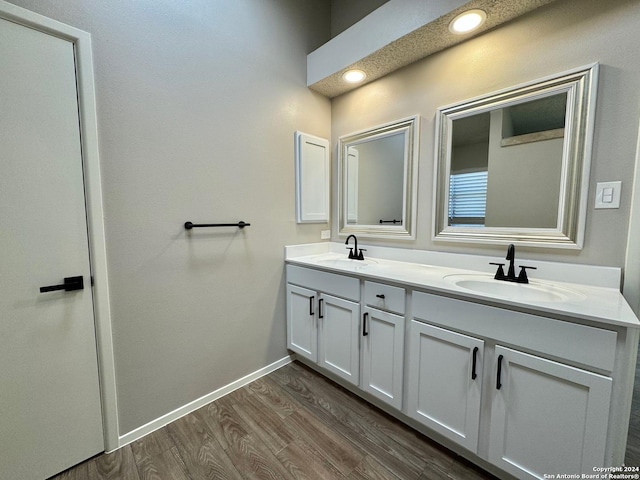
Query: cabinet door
(546, 417)
(383, 355)
(445, 382)
(312, 178)
(338, 341)
(302, 331)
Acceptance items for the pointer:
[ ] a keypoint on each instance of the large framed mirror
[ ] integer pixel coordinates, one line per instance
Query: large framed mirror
(377, 180)
(513, 166)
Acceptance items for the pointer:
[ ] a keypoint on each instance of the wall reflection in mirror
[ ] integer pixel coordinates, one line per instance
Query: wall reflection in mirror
(375, 190)
(513, 166)
(377, 175)
(506, 165)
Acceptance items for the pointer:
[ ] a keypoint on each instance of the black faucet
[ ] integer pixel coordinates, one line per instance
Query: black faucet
(357, 254)
(511, 256)
(511, 272)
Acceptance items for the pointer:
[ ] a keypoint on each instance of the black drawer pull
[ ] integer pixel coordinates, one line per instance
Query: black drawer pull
(474, 364)
(311, 301)
(380, 295)
(364, 324)
(498, 380)
(320, 315)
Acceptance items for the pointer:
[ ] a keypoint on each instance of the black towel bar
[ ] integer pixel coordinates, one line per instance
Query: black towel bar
(240, 224)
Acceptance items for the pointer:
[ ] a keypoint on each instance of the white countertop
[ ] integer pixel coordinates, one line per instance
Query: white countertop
(582, 301)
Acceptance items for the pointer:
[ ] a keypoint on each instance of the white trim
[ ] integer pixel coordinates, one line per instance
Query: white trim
(631, 288)
(93, 195)
(200, 402)
(97, 241)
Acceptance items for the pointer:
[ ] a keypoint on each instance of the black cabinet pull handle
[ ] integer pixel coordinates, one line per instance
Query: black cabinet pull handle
(364, 324)
(380, 296)
(473, 365)
(320, 315)
(311, 301)
(498, 380)
(70, 284)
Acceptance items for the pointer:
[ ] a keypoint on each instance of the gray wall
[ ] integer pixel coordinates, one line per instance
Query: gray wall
(549, 40)
(345, 13)
(197, 105)
(471, 157)
(523, 187)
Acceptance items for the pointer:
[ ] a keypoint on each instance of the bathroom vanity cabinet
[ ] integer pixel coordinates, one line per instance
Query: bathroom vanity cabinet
(324, 325)
(547, 383)
(323, 312)
(383, 342)
(546, 416)
(517, 390)
(445, 380)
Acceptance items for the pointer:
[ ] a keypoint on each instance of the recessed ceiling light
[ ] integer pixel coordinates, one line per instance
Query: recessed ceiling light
(354, 76)
(467, 21)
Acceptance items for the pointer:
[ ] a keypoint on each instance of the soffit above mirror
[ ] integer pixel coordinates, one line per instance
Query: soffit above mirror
(398, 33)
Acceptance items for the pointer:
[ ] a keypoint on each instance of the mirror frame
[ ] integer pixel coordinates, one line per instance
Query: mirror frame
(406, 231)
(580, 85)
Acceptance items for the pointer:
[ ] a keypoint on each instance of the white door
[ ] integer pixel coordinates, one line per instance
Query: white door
(383, 355)
(445, 382)
(302, 331)
(50, 415)
(338, 337)
(546, 416)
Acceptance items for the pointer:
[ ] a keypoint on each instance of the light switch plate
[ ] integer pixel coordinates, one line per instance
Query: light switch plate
(608, 194)
(325, 234)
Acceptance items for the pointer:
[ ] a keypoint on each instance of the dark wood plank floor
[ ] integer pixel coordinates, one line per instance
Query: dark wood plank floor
(290, 424)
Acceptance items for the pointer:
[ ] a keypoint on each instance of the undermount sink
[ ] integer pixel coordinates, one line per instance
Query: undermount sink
(531, 292)
(347, 263)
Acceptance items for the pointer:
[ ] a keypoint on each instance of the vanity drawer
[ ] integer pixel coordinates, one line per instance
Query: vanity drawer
(338, 285)
(384, 297)
(588, 346)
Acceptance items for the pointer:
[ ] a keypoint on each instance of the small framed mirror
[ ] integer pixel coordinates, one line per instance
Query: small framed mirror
(513, 166)
(377, 180)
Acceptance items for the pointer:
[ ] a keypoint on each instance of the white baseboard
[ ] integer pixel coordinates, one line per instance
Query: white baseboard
(200, 402)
